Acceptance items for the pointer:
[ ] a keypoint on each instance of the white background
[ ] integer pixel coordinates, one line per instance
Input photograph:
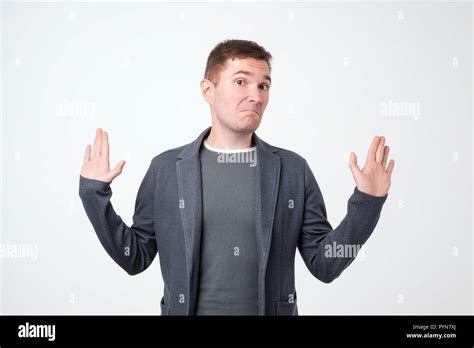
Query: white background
(134, 70)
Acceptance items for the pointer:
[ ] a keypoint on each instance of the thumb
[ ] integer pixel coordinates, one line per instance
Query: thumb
(353, 164)
(117, 169)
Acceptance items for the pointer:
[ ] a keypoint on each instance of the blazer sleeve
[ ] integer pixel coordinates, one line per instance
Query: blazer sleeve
(132, 248)
(317, 238)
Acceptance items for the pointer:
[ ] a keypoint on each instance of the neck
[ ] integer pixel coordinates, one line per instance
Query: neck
(224, 139)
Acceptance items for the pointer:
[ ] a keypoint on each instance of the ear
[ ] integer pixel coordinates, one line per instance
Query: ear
(207, 90)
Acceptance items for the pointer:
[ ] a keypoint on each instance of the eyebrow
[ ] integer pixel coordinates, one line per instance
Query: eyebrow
(250, 74)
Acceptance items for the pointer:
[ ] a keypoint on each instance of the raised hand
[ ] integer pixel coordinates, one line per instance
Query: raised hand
(96, 164)
(375, 178)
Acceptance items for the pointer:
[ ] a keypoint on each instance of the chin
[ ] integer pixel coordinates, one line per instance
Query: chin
(250, 126)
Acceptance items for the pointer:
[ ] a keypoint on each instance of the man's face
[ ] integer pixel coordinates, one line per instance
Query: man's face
(241, 94)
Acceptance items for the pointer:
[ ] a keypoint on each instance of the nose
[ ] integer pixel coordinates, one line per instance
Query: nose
(255, 94)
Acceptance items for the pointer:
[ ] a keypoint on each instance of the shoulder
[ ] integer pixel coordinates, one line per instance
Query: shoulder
(288, 156)
(167, 157)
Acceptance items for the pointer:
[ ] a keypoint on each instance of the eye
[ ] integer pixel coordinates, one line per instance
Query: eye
(264, 86)
(240, 82)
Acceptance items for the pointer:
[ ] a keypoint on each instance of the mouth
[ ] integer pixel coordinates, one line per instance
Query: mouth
(250, 111)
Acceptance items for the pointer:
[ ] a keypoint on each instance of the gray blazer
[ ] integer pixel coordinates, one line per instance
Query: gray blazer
(290, 214)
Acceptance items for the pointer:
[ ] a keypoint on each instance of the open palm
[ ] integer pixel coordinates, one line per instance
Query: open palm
(96, 163)
(375, 177)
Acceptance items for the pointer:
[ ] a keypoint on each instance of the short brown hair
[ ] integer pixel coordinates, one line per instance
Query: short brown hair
(233, 49)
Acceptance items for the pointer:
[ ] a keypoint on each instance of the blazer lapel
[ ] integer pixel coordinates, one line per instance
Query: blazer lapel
(188, 169)
(267, 183)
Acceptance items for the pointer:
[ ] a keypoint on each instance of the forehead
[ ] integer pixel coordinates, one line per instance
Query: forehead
(256, 67)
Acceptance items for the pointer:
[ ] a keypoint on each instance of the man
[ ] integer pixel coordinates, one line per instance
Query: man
(227, 212)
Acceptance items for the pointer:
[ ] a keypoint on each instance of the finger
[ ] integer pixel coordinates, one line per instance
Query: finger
(373, 149)
(390, 167)
(380, 149)
(353, 163)
(97, 143)
(87, 154)
(117, 169)
(385, 157)
(105, 145)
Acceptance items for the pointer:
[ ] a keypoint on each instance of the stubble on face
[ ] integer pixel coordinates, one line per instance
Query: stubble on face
(242, 94)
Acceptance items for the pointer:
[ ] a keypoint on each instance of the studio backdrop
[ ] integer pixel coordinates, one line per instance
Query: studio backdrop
(342, 73)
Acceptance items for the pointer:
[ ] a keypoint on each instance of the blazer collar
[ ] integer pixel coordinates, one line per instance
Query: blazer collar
(192, 149)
